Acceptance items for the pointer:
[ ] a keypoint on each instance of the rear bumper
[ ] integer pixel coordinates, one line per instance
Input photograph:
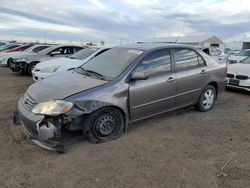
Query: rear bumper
(239, 87)
(40, 132)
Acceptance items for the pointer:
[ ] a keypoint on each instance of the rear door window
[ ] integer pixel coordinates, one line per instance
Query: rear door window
(186, 59)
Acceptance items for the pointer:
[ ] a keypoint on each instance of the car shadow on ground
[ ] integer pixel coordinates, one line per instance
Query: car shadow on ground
(238, 91)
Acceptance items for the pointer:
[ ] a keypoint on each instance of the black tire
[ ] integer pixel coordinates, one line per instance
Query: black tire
(8, 61)
(30, 68)
(103, 125)
(206, 100)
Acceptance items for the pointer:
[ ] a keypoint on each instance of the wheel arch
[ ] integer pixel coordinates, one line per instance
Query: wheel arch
(118, 108)
(215, 85)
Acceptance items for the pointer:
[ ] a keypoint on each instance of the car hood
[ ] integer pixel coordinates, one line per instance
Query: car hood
(236, 58)
(61, 86)
(239, 68)
(26, 55)
(59, 61)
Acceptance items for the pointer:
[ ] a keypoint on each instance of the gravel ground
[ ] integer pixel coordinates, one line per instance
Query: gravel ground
(185, 148)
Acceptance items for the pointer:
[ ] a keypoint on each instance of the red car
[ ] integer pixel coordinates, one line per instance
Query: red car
(18, 48)
(9, 46)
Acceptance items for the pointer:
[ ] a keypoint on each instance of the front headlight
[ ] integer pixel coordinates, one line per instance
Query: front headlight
(50, 69)
(53, 107)
(20, 60)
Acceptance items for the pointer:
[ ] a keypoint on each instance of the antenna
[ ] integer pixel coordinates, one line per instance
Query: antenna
(180, 31)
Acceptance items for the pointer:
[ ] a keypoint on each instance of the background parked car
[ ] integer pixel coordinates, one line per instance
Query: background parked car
(239, 56)
(216, 53)
(239, 75)
(6, 58)
(122, 85)
(2, 44)
(18, 49)
(9, 47)
(27, 62)
(54, 66)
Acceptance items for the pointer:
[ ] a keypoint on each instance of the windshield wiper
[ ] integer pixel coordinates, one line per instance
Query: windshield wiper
(93, 73)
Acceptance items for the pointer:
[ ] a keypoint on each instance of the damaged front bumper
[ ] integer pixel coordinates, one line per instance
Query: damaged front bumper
(40, 131)
(17, 66)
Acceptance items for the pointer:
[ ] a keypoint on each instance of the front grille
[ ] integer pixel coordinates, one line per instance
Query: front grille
(28, 102)
(242, 77)
(230, 75)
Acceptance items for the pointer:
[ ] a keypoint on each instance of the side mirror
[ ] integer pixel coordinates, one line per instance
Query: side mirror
(139, 76)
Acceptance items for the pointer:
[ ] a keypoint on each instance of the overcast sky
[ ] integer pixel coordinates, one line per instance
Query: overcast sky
(115, 20)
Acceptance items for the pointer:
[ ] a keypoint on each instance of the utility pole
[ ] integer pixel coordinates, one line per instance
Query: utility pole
(45, 37)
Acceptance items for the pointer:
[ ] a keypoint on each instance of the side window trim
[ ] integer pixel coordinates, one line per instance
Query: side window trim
(199, 55)
(183, 48)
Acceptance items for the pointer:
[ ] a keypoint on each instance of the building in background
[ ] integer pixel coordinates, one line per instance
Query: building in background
(188, 40)
(246, 44)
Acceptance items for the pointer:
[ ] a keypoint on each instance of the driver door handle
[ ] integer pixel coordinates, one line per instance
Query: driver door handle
(203, 72)
(171, 79)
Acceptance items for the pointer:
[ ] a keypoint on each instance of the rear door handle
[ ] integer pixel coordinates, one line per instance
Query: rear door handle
(171, 79)
(203, 72)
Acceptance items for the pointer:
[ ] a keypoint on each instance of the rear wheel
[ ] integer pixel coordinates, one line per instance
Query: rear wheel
(103, 125)
(207, 99)
(30, 67)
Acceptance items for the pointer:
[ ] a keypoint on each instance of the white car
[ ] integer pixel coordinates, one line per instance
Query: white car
(232, 59)
(5, 58)
(238, 75)
(216, 53)
(51, 67)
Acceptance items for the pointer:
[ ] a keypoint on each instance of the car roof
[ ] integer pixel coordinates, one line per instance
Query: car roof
(151, 46)
(102, 47)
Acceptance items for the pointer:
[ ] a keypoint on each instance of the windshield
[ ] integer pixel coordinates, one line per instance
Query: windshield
(3, 47)
(112, 63)
(82, 54)
(9, 47)
(246, 61)
(29, 49)
(243, 53)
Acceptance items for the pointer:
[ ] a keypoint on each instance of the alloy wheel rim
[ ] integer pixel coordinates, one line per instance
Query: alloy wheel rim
(208, 99)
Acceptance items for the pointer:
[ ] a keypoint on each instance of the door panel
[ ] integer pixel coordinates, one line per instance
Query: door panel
(191, 76)
(157, 93)
(151, 96)
(189, 86)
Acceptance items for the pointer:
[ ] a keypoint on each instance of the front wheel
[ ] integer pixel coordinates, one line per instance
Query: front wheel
(30, 67)
(207, 99)
(103, 125)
